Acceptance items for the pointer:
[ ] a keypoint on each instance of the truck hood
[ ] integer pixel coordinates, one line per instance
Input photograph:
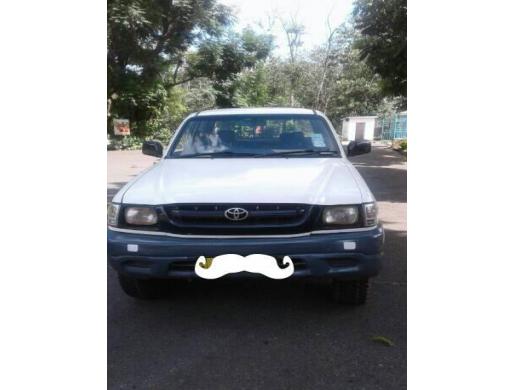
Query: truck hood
(323, 181)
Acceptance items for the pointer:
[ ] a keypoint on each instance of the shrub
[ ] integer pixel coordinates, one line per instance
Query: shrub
(400, 144)
(130, 142)
(159, 130)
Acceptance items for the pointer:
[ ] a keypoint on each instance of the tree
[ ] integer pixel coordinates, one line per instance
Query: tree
(146, 38)
(199, 94)
(223, 59)
(325, 62)
(331, 78)
(253, 88)
(383, 41)
(357, 90)
(167, 58)
(294, 32)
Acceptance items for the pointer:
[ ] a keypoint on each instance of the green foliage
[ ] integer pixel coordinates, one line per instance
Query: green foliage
(223, 60)
(357, 90)
(390, 106)
(383, 41)
(166, 59)
(341, 84)
(253, 88)
(161, 127)
(400, 144)
(146, 39)
(199, 95)
(331, 78)
(124, 142)
(139, 103)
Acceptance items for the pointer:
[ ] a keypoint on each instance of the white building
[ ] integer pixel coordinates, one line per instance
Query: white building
(356, 128)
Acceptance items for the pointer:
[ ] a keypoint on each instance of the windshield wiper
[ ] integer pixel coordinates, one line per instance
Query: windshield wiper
(220, 153)
(300, 152)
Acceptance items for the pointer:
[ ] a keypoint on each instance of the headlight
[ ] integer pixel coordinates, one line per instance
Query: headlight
(112, 214)
(370, 214)
(140, 216)
(340, 215)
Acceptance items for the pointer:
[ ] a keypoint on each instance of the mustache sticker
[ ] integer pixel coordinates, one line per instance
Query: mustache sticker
(227, 264)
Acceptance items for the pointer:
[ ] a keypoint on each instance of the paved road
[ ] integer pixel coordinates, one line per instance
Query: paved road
(266, 334)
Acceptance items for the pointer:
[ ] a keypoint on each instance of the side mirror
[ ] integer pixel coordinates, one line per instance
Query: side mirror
(358, 147)
(152, 148)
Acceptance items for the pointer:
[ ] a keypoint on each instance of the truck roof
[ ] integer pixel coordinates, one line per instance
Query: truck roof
(259, 111)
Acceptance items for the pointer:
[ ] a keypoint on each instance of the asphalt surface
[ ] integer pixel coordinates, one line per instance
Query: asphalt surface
(265, 334)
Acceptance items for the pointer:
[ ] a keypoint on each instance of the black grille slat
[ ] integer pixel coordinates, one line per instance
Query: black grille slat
(196, 214)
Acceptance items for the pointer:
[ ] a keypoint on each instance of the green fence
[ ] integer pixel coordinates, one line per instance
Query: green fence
(394, 127)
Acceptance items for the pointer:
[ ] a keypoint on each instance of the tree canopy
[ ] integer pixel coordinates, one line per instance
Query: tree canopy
(223, 60)
(154, 46)
(383, 41)
(168, 58)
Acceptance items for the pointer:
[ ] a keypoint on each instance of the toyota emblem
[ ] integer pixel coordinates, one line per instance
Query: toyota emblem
(236, 214)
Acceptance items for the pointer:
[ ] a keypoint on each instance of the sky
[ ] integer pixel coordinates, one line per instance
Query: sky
(313, 14)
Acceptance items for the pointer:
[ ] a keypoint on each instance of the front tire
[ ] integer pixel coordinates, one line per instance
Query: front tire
(140, 288)
(350, 292)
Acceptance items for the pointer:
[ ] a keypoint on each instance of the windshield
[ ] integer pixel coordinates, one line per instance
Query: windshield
(255, 136)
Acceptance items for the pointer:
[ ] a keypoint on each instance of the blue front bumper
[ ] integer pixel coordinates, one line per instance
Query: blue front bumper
(317, 255)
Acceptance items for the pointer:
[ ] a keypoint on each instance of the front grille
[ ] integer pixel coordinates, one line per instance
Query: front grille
(262, 218)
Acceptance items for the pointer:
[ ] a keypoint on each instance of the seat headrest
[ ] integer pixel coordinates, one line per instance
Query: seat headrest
(294, 140)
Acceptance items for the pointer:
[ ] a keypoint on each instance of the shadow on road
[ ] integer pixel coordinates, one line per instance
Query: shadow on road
(381, 156)
(387, 184)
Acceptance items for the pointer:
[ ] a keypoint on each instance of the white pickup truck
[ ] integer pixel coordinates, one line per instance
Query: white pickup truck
(272, 181)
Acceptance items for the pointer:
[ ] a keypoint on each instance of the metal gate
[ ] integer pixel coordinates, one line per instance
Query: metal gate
(395, 127)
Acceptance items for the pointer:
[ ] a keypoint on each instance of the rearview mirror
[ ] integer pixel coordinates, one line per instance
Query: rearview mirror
(358, 147)
(152, 148)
